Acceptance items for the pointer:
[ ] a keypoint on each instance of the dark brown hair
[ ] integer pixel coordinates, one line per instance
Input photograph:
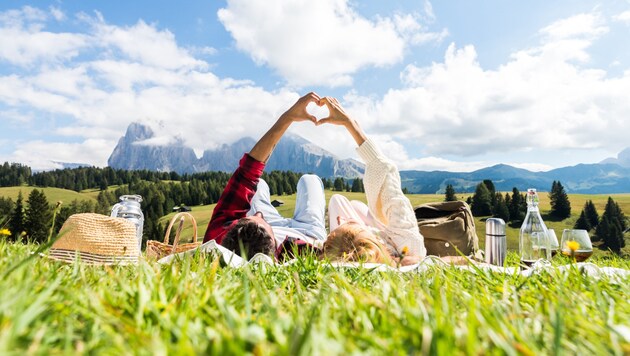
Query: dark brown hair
(253, 238)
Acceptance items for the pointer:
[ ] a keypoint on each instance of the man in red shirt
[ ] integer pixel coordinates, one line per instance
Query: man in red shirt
(244, 219)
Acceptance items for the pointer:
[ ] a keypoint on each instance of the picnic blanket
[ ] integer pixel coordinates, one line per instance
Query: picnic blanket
(233, 260)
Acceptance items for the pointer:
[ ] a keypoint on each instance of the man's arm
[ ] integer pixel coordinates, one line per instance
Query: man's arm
(235, 200)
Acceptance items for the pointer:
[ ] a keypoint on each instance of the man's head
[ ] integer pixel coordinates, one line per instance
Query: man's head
(254, 234)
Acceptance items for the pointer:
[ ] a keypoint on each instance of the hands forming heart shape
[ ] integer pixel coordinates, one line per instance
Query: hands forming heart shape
(319, 112)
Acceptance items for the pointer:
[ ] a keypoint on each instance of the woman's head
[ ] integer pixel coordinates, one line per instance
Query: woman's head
(353, 242)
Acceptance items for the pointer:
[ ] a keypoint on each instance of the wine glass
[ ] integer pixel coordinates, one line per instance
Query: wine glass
(577, 244)
(553, 241)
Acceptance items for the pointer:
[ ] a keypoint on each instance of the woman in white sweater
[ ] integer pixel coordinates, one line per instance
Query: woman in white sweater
(383, 231)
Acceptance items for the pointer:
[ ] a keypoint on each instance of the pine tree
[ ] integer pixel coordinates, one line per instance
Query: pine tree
(38, 216)
(493, 201)
(6, 208)
(16, 224)
(582, 222)
(591, 214)
(560, 205)
(488, 183)
(103, 185)
(611, 226)
(622, 218)
(508, 200)
(603, 231)
(501, 209)
(515, 206)
(338, 185)
(449, 194)
(481, 201)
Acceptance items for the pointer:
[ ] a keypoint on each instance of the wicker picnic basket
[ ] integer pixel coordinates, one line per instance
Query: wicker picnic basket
(156, 249)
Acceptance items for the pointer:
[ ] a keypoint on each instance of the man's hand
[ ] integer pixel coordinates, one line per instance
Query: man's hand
(264, 147)
(298, 112)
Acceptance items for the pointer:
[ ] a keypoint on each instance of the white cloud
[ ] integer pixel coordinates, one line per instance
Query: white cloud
(135, 73)
(410, 28)
(317, 42)
(57, 13)
(543, 97)
(546, 96)
(143, 43)
(428, 10)
(623, 17)
(15, 116)
(43, 155)
(578, 26)
(24, 42)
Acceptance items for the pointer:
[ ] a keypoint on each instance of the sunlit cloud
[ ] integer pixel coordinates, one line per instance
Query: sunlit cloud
(320, 42)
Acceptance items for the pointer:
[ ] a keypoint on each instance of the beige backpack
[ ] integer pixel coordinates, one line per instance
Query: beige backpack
(447, 227)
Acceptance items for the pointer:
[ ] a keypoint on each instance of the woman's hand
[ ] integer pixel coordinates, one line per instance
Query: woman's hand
(337, 116)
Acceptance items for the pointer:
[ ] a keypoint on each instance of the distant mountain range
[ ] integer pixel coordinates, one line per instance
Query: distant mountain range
(579, 179)
(294, 153)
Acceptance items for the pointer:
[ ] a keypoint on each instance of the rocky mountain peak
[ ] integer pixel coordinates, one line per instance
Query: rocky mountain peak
(293, 153)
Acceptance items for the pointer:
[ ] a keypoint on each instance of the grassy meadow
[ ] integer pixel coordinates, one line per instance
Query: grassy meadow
(52, 194)
(198, 306)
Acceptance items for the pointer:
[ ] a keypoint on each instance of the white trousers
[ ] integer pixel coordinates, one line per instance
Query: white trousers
(310, 207)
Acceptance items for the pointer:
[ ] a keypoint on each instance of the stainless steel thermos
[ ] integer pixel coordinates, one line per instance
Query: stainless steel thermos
(496, 244)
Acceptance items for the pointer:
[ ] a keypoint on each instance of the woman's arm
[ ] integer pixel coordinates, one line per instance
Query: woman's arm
(338, 116)
(386, 201)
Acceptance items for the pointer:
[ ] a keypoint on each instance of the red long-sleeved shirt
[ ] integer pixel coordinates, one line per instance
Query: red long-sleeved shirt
(235, 201)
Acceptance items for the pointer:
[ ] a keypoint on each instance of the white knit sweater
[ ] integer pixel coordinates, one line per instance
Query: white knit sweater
(388, 204)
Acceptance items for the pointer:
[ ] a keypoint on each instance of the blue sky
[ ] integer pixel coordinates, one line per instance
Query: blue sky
(450, 85)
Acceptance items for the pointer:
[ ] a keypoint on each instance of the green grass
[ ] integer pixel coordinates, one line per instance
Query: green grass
(52, 194)
(197, 307)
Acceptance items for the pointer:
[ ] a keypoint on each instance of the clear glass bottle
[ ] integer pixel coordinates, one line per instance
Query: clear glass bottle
(129, 208)
(534, 243)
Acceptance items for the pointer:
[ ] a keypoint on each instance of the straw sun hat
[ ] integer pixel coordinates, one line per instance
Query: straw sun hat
(96, 239)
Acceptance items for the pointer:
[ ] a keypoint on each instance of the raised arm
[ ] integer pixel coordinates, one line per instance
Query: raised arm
(234, 202)
(338, 116)
(386, 201)
(264, 147)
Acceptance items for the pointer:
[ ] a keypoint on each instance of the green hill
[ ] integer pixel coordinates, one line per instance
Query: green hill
(52, 194)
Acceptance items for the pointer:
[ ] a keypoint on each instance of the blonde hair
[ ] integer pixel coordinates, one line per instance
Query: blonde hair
(355, 243)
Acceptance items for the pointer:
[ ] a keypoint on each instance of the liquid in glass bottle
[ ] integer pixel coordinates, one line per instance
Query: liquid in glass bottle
(534, 243)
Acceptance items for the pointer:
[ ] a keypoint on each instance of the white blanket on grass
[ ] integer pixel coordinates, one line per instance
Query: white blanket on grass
(233, 260)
